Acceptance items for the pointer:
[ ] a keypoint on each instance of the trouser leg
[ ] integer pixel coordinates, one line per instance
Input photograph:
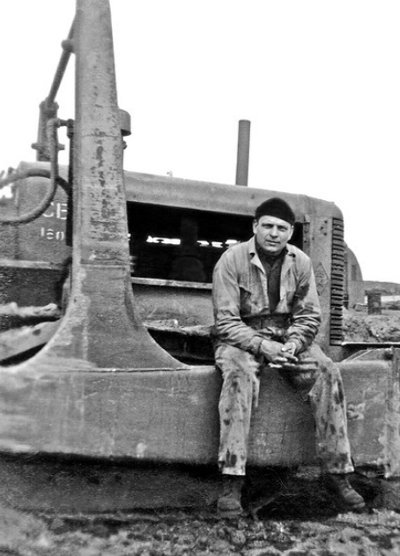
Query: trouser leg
(239, 393)
(329, 409)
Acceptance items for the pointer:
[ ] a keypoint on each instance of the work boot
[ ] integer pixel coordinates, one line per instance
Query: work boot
(229, 502)
(340, 485)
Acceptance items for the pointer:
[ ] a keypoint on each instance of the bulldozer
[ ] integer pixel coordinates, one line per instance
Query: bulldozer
(108, 389)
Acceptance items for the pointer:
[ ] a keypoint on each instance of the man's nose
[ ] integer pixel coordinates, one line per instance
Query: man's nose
(273, 231)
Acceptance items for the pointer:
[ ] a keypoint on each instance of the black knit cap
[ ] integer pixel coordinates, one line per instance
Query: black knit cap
(276, 207)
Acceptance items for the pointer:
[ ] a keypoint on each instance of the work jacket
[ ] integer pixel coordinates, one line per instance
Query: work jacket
(241, 304)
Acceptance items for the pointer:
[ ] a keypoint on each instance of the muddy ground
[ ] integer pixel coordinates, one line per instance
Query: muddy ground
(296, 516)
(290, 514)
(360, 327)
(203, 534)
(188, 534)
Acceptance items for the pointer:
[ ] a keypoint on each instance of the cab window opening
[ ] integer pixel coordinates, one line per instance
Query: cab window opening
(184, 245)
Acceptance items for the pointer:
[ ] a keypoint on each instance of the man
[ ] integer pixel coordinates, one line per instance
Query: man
(267, 314)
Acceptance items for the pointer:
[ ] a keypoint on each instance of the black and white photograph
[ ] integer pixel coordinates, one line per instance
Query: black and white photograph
(199, 279)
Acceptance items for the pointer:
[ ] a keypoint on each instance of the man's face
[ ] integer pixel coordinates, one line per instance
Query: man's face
(272, 234)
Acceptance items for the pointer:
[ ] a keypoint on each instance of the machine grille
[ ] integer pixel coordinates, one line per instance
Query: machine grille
(337, 283)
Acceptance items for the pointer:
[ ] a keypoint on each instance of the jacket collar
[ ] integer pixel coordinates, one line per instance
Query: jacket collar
(255, 259)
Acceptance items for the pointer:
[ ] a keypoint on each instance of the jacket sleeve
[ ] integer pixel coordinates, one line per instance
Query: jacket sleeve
(306, 311)
(229, 326)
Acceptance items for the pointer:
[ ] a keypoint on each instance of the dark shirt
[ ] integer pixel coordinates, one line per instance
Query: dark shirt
(272, 265)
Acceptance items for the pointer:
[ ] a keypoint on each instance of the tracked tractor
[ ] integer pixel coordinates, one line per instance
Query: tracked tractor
(108, 389)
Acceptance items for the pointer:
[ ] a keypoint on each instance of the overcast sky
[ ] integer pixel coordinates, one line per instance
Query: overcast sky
(319, 81)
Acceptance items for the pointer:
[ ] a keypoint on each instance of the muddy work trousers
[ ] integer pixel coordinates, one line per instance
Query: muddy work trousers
(239, 395)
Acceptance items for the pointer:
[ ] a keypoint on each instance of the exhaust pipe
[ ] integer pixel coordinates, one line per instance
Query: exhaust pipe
(242, 164)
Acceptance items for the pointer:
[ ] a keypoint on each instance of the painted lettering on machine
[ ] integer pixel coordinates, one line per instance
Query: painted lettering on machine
(52, 229)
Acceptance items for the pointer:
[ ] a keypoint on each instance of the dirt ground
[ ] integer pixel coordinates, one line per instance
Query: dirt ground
(360, 327)
(190, 533)
(299, 519)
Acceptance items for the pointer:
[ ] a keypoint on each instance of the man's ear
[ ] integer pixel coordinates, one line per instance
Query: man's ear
(291, 233)
(255, 221)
